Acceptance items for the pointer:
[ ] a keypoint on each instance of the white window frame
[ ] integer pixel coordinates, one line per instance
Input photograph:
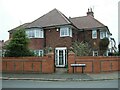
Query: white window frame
(95, 53)
(103, 34)
(94, 34)
(65, 31)
(35, 33)
(39, 52)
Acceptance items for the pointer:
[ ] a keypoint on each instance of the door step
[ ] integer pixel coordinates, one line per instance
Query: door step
(61, 70)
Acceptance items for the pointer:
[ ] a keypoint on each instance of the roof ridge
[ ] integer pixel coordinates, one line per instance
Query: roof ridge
(77, 17)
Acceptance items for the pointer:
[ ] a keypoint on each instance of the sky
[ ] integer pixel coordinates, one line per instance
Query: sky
(16, 12)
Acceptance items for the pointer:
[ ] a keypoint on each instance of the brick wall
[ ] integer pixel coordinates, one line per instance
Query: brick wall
(36, 43)
(28, 64)
(46, 64)
(93, 64)
(54, 40)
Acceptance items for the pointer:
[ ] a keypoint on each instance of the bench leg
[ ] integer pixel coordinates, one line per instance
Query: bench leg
(82, 69)
(73, 69)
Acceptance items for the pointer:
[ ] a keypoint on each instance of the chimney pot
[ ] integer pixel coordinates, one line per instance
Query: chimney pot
(90, 12)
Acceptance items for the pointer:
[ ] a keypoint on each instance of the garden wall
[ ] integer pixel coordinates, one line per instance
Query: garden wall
(28, 64)
(93, 64)
(46, 64)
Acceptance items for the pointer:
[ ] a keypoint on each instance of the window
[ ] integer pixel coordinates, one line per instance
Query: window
(35, 33)
(95, 53)
(94, 34)
(38, 52)
(103, 35)
(65, 31)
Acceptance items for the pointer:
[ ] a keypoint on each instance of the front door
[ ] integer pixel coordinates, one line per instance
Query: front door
(61, 57)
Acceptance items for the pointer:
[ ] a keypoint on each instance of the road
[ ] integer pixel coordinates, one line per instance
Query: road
(59, 84)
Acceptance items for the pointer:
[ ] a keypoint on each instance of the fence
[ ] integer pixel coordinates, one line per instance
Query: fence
(93, 64)
(28, 64)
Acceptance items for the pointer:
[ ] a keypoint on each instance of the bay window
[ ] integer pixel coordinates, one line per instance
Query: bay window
(35, 33)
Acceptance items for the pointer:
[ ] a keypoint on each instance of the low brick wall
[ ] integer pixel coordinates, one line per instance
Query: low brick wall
(46, 64)
(93, 64)
(28, 64)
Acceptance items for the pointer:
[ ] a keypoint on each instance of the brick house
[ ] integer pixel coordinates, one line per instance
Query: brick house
(56, 31)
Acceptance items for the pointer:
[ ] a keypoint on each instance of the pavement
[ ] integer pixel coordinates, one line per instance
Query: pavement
(63, 76)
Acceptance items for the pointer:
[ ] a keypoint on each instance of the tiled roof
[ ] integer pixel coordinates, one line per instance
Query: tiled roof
(52, 18)
(21, 26)
(55, 17)
(86, 22)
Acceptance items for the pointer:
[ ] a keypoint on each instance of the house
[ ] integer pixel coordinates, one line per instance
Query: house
(54, 30)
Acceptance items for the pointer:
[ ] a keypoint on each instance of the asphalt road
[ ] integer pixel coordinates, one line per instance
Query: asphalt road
(59, 84)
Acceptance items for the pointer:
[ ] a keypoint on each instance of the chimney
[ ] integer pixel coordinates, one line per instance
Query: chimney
(90, 12)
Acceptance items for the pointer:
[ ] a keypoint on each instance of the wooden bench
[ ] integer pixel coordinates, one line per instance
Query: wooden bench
(78, 65)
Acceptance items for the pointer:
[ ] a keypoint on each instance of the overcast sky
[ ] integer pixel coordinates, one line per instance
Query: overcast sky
(16, 12)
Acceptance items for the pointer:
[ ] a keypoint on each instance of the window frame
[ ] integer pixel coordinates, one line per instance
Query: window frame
(35, 33)
(94, 34)
(103, 34)
(95, 52)
(39, 53)
(65, 31)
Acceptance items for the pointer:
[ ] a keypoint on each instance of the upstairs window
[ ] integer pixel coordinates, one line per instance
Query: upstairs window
(65, 31)
(35, 33)
(103, 34)
(94, 34)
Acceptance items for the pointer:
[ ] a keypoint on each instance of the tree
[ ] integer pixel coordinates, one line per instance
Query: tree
(103, 45)
(18, 45)
(81, 48)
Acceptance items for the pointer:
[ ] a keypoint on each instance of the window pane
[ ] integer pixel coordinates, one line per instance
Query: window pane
(70, 31)
(103, 35)
(31, 33)
(95, 53)
(94, 34)
(65, 31)
(35, 33)
(38, 52)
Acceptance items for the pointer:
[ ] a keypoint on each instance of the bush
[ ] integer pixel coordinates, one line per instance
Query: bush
(81, 48)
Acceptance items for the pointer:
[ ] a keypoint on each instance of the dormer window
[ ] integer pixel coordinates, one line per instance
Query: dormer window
(35, 33)
(94, 34)
(65, 31)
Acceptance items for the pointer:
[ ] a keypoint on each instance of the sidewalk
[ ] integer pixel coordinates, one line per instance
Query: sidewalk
(62, 77)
